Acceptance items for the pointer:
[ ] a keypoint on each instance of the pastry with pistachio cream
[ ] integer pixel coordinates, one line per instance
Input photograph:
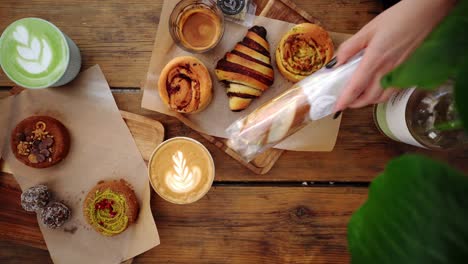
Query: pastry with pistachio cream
(185, 85)
(303, 50)
(110, 207)
(40, 141)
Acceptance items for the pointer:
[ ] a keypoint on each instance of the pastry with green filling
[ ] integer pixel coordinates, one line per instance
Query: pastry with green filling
(111, 207)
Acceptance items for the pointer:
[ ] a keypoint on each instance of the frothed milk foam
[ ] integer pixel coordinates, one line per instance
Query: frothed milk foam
(181, 170)
(36, 54)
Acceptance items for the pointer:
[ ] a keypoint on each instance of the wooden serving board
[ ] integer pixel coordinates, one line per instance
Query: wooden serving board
(287, 11)
(147, 133)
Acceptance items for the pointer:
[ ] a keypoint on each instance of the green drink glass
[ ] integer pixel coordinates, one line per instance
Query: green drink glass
(35, 54)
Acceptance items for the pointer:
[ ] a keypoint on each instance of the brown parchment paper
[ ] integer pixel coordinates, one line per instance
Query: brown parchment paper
(319, 136)
(102, 148)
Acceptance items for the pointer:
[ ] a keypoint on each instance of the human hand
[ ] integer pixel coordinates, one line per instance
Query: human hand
(388, 40)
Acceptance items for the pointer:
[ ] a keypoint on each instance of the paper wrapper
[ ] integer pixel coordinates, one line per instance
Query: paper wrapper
(321, 136)
(102, 148)
(307, 102)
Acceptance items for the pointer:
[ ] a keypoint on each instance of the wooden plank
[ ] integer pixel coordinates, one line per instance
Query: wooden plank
(341, 16)
(287, 10)
(16, 253)
(229, 225)
(147, 133)
(361, 151)
(360, 154)
(118, 35)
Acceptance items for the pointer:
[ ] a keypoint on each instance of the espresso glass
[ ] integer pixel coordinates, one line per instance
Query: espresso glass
(186, 5)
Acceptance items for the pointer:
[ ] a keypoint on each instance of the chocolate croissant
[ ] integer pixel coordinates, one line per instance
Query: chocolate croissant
(303, 50)
(247, 70)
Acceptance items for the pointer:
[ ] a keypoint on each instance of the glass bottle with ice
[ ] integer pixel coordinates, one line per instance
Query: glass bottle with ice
(423, 118)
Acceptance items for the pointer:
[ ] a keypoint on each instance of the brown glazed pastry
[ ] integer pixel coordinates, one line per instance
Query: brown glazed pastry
(185, 85)
(303, 50)
(40, 141)
(247, 69)
(110, 207)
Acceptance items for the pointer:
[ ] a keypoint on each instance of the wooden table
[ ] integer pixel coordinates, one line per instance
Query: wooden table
(297, 213)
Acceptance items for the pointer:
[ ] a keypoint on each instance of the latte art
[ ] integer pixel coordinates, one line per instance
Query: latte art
(34, 55)
(181, 170)
(183, 179)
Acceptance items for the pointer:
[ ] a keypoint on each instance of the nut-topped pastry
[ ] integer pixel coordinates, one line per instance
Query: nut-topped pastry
(185, 85)
(110, 207)
(247, 70)
(303, 50)
(40, 141)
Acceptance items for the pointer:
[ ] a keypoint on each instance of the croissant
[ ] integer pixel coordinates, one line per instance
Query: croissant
(247, 70)
(303, 50)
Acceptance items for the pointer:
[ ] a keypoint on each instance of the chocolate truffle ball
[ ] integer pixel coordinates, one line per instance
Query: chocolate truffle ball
(35, 198)
(55, 214)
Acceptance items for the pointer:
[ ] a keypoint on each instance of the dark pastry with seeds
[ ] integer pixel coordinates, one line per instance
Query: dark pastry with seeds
(40, 141)
(110, 207)
(35, 198)
(247, 70)
(55, 214)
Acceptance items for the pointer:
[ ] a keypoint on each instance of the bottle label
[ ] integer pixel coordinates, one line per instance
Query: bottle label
(391, 118)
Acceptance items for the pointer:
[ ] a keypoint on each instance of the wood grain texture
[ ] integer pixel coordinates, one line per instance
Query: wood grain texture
(360, 154)
(118, 35)
(346, 16)
(11, 252)
(232, 224)
(147, 133)
(287, 10)
(229, 225)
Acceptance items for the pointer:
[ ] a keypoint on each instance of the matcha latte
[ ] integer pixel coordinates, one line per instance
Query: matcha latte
(34, 53)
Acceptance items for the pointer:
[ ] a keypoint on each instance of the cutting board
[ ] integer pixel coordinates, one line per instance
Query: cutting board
(287, 11)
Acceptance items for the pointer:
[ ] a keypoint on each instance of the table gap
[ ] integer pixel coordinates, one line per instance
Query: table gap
(305, 184)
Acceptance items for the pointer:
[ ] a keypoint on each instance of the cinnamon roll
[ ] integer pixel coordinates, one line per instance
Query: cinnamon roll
(247, 70)
(185, 85)
(303, 50)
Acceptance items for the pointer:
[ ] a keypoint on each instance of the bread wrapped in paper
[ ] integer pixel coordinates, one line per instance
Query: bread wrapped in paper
(307, 101)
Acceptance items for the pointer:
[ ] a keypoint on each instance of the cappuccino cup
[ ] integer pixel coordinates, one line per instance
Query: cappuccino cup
(181, 170)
